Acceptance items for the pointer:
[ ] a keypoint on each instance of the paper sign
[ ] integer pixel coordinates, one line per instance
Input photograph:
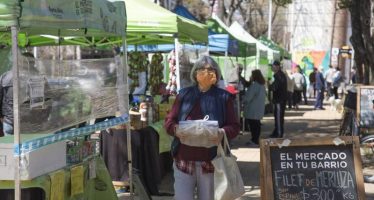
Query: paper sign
(77, 180)
(92, 169)
(57, 185)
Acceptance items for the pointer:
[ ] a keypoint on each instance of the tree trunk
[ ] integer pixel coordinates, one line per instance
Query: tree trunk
(361, 40)
(356, 39)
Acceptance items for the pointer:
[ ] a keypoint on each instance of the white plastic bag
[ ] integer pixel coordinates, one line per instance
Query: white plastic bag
(198, 132)
(228, 182)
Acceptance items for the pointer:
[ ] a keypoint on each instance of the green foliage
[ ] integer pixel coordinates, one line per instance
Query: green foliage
(282, 2)
(342, 4)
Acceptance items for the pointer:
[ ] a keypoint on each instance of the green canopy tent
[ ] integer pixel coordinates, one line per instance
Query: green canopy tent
(148, 23)
(264, 53)
(244, 48)
(41, 22)
(271, 44)
(62, 22)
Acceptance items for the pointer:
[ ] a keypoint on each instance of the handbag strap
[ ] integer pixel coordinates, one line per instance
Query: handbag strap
(221, 151)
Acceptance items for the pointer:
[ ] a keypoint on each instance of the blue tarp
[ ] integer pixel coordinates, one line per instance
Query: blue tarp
(217, 43)
(182, 11)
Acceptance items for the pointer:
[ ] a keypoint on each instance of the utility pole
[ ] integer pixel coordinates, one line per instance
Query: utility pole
(270, 16)
(292, 25)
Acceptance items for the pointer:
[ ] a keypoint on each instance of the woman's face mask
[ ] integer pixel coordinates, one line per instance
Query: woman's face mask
(206, 77)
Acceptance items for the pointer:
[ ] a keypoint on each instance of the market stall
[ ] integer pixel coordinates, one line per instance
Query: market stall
(236, 52)
(157, 26)
(54, 95)
(264, 54)
(271, 44)
(160, 26)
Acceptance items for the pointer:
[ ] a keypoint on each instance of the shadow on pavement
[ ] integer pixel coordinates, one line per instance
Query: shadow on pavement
(250, 170)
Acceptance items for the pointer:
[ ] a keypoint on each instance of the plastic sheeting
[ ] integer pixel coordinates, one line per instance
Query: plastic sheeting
(56, 94)
(187, 58)
(64, 17)
(229, 69)
(41, 21)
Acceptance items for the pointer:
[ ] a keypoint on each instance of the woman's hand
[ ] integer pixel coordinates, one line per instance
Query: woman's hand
(216, 139)
(181, 136)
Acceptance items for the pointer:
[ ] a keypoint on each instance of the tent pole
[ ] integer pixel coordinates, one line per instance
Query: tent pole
(16, 123)
(176, 41)
(126, 110)
(270, 13)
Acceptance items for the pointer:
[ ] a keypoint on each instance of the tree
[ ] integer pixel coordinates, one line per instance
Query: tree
(362, 37)
(254, 15)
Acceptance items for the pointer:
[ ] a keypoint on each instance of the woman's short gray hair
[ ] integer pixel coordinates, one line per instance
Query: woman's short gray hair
(201, 63)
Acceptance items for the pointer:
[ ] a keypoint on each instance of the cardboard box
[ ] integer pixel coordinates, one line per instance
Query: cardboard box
(36, 163)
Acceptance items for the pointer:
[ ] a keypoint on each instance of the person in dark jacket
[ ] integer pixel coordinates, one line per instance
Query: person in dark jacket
(6, 102)
(279, 89)
(312, 81)
(320, 88)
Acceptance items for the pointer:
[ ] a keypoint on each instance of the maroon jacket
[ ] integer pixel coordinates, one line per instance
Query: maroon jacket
(189, 153)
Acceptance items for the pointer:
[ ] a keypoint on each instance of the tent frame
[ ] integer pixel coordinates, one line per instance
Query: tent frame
(15, 29)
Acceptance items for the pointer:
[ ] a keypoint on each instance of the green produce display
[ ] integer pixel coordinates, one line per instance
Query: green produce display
(137, 62)
(156, 73)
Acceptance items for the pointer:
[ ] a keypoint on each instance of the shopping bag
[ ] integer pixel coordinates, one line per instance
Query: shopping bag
(228, 182)
(198, 132)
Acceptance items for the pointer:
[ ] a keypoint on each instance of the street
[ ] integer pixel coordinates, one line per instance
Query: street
(302, 123)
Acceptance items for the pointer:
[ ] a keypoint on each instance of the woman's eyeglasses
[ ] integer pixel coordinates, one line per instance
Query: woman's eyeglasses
(209, 70)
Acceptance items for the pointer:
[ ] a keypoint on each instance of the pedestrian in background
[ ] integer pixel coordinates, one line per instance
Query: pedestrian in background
(312, 81)
(329, 78)
(243, 84)
(279, 90)
(337, 80)
(290, 88)
(192, 165)
(304, 85)
(298, 79)
(254, 105)
(320, 87)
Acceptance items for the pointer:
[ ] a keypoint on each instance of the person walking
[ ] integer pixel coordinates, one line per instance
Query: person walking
(312, 81)
(329, 78)
(304, 86)
(298, 89)
(279, 90)
(337, 80)
(192, 165)
(320, 87)
(290, 88)
(254, 106)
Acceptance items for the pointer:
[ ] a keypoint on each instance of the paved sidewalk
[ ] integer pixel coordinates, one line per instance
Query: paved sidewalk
(302, 123)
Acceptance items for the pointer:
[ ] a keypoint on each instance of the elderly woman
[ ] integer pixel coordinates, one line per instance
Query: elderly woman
(192, 165)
